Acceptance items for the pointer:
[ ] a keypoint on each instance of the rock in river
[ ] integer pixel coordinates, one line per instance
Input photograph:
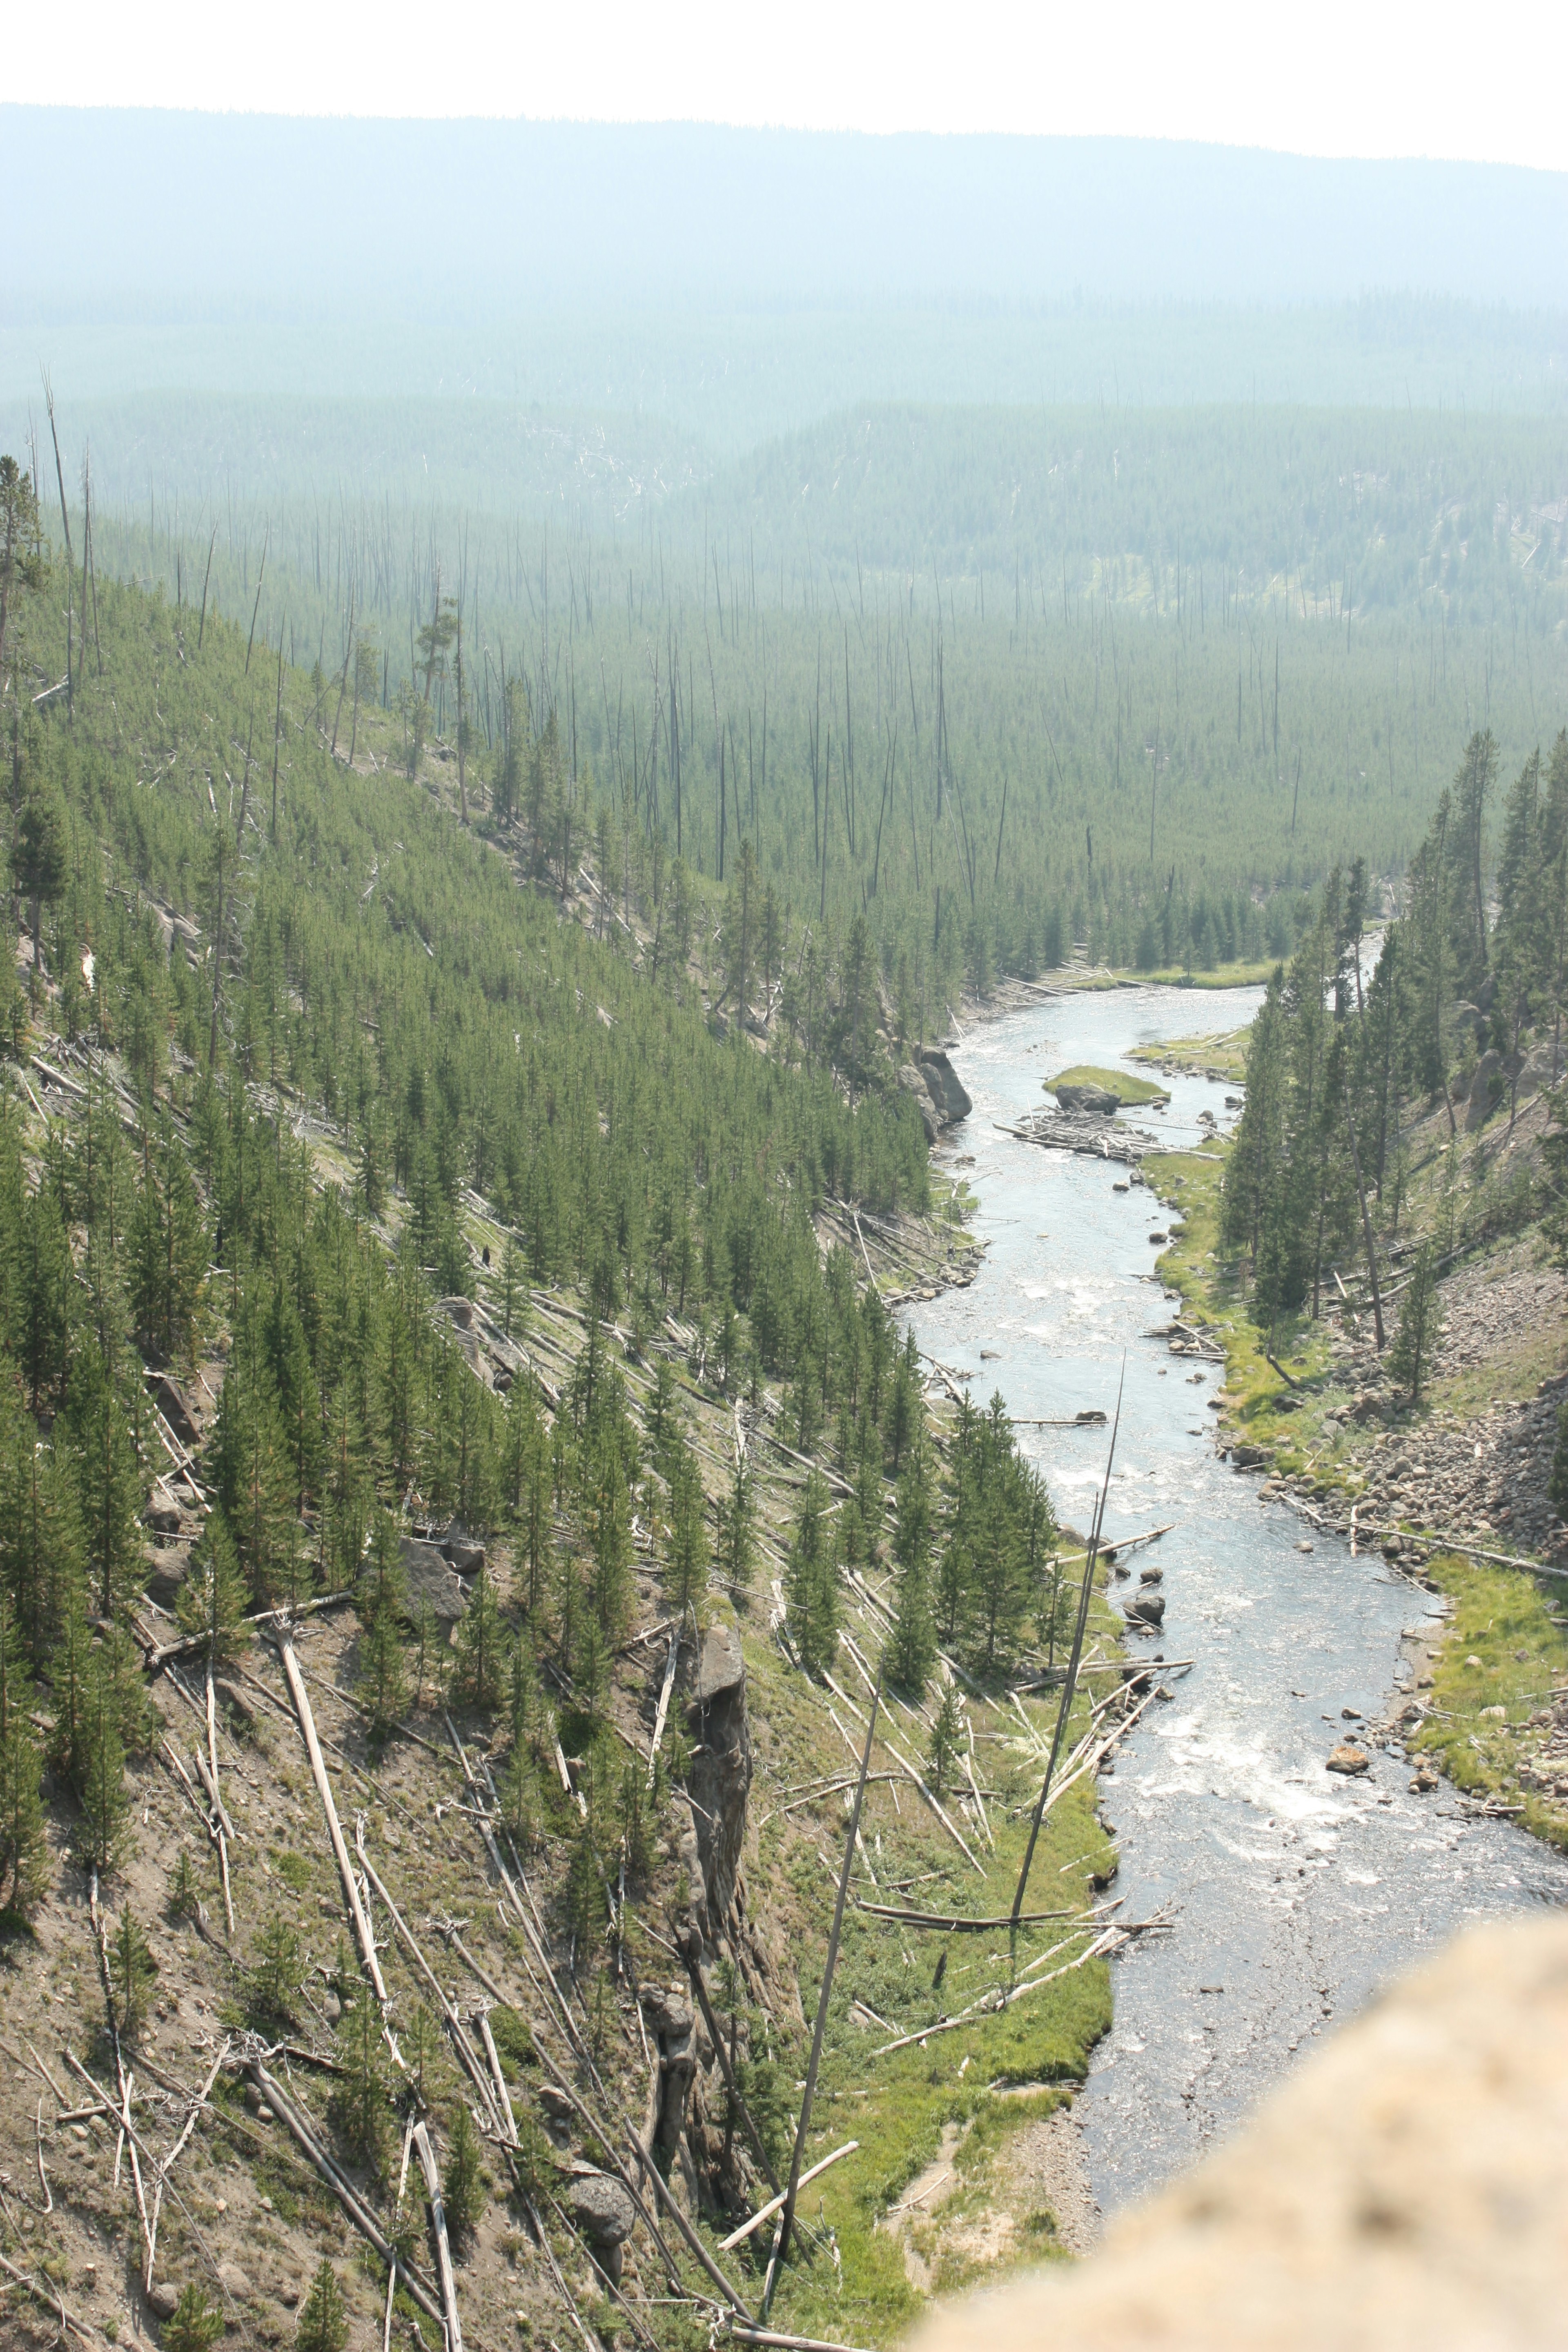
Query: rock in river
(1348, 1758)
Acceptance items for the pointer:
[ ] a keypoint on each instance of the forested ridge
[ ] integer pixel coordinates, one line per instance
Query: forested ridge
(374, 1181)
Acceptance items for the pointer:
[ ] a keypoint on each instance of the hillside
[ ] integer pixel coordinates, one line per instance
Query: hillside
(438, 1329)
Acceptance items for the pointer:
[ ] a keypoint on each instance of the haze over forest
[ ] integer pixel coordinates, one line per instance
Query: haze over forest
(544, 667)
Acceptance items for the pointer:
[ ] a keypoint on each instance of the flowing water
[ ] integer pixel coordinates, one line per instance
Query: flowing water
(1294, 1893)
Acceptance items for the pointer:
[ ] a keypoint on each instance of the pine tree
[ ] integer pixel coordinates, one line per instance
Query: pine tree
(195, 2325)
(911, 1647)
(1557, 1491)
(184, 1894)
(359, 2105)
(1420, 1325)
(611, 1534)
(737, 1535)
(211, 1606)
(382, 1683)
(47, 1278)
(687, 1579)
(24, 1849)
(99, 1771)
(946, 1737)
(40, 1540)
(168, 1248)
(272, 1985)
(323, 2315)
(811, 1582)
(132, 1970)
(478, 1680)
(462, 2181)
(254, 1478)
(518, 1788)
(109, 1476)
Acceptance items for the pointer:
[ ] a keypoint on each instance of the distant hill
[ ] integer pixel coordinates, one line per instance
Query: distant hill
(140, 214)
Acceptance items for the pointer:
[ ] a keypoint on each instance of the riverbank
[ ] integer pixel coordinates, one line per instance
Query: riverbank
(1432, 1486)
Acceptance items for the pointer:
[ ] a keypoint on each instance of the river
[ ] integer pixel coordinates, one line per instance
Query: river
(1294, 1894)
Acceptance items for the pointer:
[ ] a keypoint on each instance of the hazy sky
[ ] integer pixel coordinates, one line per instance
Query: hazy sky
(1339, 79)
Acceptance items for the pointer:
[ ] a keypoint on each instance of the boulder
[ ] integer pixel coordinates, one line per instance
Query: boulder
(163, 2299)
(234, 2282)
(428, 1577)
(1147, 1608)
(1096, 1102)
(1348, 1758)
(166, 1576)
(948, 1097)
(911, 1081)
(1249, 1457)
(465, 1552)
(601, 2209)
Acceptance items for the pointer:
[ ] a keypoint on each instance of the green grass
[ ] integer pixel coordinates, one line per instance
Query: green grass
(1261, 1408)
(1245, 974)
(1502, 1619)
(1224, 1051)
(897, 2105)
(1126, 1089)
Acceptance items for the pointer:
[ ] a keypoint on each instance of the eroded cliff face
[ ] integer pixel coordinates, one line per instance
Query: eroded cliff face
(685, 2133)
(720, 1777)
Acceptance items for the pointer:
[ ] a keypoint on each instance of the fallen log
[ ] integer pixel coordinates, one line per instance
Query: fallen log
(763, 2211)
(439, 2223)
(362, 1926)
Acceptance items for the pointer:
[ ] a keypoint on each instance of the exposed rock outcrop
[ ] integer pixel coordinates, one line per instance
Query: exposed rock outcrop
(949, 1099)
(428, 1577)
(721, 1776)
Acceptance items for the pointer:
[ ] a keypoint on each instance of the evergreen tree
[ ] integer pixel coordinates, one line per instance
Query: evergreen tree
(911, 1647)
(40, 857)
(132, 1970)
(687, 1579)
(478, 1681)
(211, 1606)
(737, 1534)
(1420, 1325)
(24, 1850)
(195, 2324)
(381, 1682)
(40, 1540)
(184, 1894)
(168, 1248)
(109, 1479)
(323, 2315)
(359, 2105)
(47, 1292)
(272, 1979)
(97, 1769)
(254, 1478)
(462, 2181)
(946, 1738)
(811, 1581)
(1557, 1491)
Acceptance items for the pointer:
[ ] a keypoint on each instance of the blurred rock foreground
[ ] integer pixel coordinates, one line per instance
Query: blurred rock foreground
(1409, 2186)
